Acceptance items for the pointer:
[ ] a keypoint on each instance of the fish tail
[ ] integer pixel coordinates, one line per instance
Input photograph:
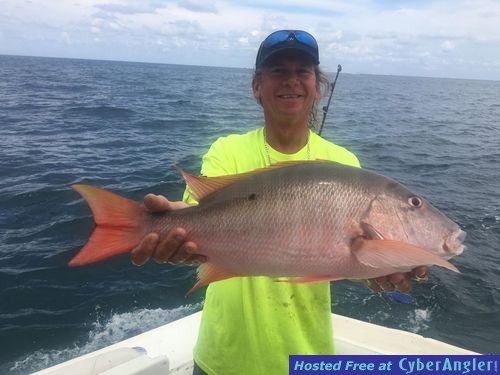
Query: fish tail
(120, 222)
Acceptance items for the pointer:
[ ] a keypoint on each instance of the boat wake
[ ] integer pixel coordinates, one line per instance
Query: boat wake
(103, 333)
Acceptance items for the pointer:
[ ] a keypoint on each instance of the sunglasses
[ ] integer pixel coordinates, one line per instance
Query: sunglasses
(290, 35)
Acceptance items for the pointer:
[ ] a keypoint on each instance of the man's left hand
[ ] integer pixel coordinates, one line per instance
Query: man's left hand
(398, 281)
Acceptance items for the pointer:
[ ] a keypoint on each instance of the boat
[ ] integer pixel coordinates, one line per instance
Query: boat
(168, 349)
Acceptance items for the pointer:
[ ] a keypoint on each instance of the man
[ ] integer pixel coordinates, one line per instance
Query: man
(251, 324)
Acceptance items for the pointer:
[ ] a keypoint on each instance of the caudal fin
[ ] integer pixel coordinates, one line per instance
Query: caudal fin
(119, 225)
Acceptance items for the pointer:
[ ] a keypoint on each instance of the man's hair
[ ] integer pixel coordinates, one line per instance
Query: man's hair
(322, 81)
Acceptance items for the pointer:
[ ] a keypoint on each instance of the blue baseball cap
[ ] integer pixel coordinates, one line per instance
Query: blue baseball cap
(284, 40)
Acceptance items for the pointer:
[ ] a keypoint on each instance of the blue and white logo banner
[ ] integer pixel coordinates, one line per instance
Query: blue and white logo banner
(394, 364)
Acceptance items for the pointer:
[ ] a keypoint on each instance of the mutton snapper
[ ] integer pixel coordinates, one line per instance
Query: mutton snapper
(312, 221)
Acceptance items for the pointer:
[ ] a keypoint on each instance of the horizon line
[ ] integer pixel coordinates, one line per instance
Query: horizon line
(245, 68)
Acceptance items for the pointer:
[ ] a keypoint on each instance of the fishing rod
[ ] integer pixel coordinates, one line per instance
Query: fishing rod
(327, 106)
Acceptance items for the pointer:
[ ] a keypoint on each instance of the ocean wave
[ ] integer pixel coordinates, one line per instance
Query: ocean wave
(418, 320)
(103, 333)
(140, 118)
(104, 111)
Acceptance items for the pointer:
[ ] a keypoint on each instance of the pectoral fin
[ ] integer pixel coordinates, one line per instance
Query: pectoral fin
(395, 254)
(371, 232)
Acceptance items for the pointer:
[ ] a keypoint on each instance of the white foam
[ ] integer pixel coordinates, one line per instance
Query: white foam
(417, 320)
(116, 328)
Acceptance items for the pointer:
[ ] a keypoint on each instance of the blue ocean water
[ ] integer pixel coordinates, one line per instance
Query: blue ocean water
(121, 125)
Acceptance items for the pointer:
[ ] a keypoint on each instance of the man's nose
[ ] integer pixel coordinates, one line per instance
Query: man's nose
(292, 78)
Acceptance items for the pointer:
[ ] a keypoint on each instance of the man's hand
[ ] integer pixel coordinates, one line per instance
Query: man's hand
(398, 281)
(173, 248)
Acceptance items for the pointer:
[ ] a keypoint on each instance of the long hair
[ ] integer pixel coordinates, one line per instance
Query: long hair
(322, 82)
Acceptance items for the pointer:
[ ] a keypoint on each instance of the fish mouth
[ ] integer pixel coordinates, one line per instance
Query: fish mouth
(453, 244)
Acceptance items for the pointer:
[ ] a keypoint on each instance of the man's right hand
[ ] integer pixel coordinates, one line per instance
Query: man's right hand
(173, 248)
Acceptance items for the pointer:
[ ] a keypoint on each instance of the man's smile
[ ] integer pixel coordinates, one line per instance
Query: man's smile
(290, 96)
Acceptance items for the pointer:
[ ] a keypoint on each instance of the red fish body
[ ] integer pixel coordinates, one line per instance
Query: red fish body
(309, 220)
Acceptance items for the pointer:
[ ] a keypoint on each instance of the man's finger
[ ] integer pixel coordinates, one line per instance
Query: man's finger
(196, 259)
(420, 273)
(384, 283)
(372, 284)
(187, 255)
(145, 249)
(180, 256)
(156, 203)
(397, 278)
(167, 249)
(191, 247)
(400, 281)
(403, 286)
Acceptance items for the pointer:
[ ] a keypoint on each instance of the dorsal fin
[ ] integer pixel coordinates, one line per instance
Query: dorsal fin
(202, 186)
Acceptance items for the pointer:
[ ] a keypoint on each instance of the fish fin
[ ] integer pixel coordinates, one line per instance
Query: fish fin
(289, 163)
(202, 186)
(395, 254)
(309, 279)
(208, 273)
(119, 221)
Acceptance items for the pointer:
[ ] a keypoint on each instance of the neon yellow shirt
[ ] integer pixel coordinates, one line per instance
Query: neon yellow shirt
(250, 325)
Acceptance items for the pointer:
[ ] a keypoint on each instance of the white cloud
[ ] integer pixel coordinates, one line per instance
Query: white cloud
(447, 46)
(401, 37)
(204, 6)
(65, 37)
(243, 40)
(130, 7)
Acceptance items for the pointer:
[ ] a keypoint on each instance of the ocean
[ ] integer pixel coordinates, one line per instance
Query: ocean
(121, 125)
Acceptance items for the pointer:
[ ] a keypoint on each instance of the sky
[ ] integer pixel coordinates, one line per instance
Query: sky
(456, 39)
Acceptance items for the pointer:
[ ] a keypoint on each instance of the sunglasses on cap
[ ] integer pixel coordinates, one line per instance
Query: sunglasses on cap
(287, 40)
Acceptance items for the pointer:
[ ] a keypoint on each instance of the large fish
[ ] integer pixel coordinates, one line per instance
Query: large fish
(311, 221)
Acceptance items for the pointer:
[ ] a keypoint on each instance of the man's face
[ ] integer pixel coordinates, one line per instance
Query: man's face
(287, 88)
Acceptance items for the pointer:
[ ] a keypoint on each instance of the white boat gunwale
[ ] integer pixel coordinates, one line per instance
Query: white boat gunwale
(168, 348)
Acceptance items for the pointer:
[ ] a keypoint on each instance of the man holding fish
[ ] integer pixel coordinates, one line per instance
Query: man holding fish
(283, 219)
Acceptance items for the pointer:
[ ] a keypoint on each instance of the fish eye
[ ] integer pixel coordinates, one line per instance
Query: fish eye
(415, 201)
